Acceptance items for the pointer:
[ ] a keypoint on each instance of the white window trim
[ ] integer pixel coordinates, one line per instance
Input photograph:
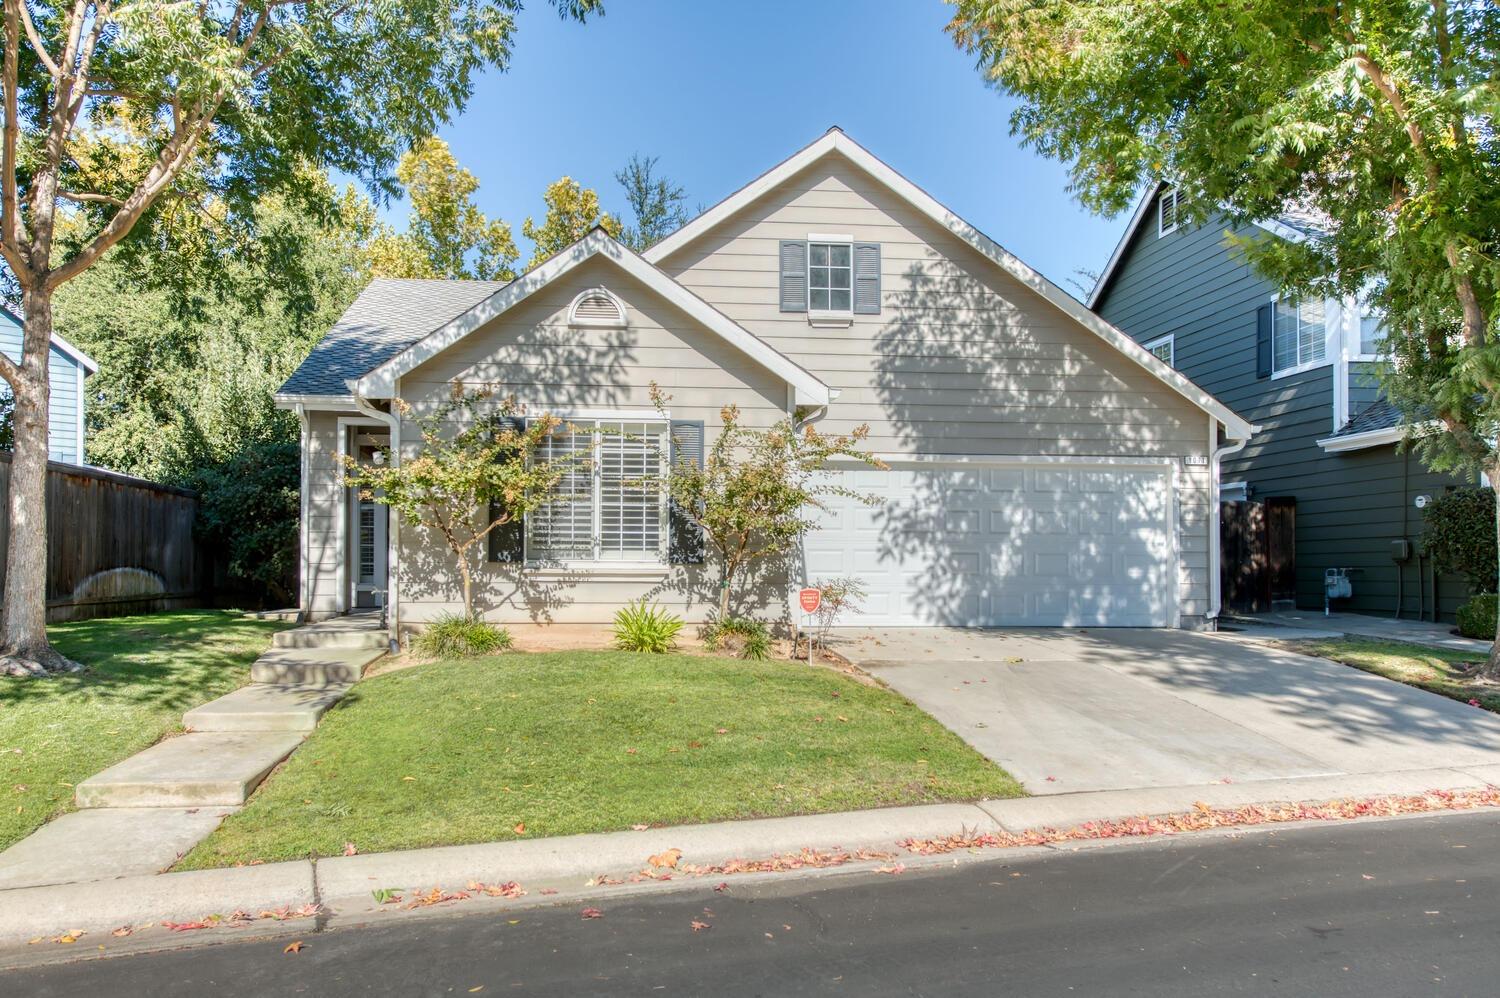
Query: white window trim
(1161, 203)
(1241, 487)
(830, 316)
(601, 566)
(1332, 339)
(1171, 340)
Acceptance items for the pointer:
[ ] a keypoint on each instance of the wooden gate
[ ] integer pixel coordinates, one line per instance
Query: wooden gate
(1257, 553)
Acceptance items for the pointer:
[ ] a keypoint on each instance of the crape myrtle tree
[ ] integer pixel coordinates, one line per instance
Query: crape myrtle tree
(112, 109)
(1377, 118)
(758, 491)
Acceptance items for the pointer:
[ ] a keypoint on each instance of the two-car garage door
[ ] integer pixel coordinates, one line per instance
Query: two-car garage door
(995, 545)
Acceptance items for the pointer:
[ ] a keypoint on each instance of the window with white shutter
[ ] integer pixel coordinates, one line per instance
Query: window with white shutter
(611, 507)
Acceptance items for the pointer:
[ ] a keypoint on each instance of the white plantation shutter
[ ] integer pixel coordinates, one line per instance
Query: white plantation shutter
(563, 530)
(630, 499)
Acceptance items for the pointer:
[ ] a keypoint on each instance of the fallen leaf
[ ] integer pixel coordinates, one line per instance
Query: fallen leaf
(589, 913)
(894, 871)
(408, 779)
(122, 932)
(1051, 779)
(71, 936)
(665, 860)
(1366, 876)
(349, 849)
(520, 828)
(721, 731)
(547, 890)
(722, 887)
(295, 946)
(474, 989)
(631, 751)
(700, 926)
(639, 828)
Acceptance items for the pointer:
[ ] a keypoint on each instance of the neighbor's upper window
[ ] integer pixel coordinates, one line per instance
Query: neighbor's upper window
(1169, 211)
(611, 506)
(1162, 349)
(830, 277)
(1299, 335)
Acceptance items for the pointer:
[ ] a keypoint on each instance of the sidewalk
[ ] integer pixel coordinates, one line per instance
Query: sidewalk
(1313, 624)
(140, 912)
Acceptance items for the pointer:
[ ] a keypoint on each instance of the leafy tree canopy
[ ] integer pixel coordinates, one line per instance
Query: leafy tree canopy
(657, 204)
(572, 211)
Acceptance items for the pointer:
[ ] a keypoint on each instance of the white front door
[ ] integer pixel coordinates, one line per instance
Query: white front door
(1004, 545)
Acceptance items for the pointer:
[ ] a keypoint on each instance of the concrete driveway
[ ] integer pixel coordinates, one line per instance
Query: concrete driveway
(1075, 710)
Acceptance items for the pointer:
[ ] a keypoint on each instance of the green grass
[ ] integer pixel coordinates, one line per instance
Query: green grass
(1431, 669)
(464, 751)
(144, 672)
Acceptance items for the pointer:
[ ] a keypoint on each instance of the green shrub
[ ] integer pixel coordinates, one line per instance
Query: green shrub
(452, 635)
(1476, 618)
(651, 629)
(738, 636)
(1460, 535)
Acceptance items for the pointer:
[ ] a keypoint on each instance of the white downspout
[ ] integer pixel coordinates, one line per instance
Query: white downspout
(1215, 585)
(304, 590)
(393, 527)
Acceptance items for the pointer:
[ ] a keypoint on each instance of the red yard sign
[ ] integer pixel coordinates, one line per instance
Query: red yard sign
(810, 599)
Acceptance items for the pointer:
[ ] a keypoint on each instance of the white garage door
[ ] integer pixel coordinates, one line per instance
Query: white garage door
(1003, 546)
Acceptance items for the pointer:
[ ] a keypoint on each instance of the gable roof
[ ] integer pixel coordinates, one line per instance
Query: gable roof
(60, 344)
(835, 141)
(389, 315)
(1295, 224)
(379, 381)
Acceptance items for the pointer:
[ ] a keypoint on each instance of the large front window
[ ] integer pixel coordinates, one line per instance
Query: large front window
(1299, 338)
(610, 506)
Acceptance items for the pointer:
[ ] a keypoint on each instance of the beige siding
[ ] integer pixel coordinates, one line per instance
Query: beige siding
(531, 353)
(963, 358)
(324, 508)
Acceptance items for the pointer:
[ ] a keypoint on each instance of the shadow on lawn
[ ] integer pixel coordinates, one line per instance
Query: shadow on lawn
(165, 660)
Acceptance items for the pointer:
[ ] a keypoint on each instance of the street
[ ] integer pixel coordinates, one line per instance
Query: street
(1383, 908)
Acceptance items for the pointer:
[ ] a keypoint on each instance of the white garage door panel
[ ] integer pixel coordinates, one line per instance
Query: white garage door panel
(1004, 546)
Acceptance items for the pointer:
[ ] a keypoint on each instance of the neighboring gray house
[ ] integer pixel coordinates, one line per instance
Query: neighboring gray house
(1324, 460)
(1044, 468)
(66, 369)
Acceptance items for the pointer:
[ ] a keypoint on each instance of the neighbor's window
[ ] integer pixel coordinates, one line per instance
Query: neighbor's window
(1162, 349)
(610, 507)
(1298, 338)
(1371, 331)
(830, 277)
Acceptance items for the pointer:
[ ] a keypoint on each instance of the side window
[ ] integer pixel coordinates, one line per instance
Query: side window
(1163, 349)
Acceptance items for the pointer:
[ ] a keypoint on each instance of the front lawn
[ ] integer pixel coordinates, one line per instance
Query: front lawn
(566, 742)
(144, 672)
(1424, 667)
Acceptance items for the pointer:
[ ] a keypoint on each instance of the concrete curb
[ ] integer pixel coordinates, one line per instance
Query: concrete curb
(345, 885)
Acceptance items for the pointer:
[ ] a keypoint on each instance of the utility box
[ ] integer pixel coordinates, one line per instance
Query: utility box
(1401, 551)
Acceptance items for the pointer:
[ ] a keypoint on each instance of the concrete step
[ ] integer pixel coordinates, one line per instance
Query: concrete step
(266, 707)
(312, 666)
(107, 842)
(330, 634)
(200, 769)
(292, 616)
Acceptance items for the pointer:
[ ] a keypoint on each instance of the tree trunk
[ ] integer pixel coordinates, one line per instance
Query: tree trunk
(463, 568)
(724, 579)
(23, 627)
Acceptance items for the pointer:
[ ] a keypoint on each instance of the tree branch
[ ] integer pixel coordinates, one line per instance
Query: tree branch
(10, 225)
(36, 40)
(10, 371)
(81, 197)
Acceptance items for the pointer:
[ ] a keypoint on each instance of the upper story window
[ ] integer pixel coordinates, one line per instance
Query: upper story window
(1169, 211)
(1163, 349)
(830, 277)
(1300, 337)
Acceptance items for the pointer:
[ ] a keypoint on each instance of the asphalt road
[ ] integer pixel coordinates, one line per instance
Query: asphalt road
(1392, 908)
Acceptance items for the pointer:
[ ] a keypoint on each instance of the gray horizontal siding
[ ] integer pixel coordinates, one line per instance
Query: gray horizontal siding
(64, 440)
(1350, 507)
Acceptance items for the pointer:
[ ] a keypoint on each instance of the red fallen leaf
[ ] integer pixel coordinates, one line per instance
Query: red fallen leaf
(589, 913)
(1051, 779)
(721, 731)
(722, 887)
(1474, 703)
(184, 926)
(509, 889)
(894, 871)
(700, 926)
(520, 828)
(349, 849)
(295, 946)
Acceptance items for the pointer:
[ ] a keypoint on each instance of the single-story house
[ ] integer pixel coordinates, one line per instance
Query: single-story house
(1045, 469)
(67, 366)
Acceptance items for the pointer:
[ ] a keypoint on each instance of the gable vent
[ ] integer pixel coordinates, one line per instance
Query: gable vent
(597, 307)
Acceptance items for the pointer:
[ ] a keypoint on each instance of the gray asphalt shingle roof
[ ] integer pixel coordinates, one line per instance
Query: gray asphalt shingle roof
(1378, 415)
(389, 315)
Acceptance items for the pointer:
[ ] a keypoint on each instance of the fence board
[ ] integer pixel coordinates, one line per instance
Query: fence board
(105, 532)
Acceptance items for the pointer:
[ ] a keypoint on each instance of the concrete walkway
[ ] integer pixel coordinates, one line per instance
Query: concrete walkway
(1274, 626)
(141, 814)
(1067, 711)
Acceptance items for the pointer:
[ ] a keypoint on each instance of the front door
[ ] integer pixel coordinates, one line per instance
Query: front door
(369, 555)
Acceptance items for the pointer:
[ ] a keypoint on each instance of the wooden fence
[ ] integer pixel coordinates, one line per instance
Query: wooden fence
(115, 544)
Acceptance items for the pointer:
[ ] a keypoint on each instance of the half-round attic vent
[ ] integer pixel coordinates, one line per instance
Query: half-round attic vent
(597, 307)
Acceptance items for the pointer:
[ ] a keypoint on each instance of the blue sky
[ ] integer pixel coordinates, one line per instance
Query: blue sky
(722, 91)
